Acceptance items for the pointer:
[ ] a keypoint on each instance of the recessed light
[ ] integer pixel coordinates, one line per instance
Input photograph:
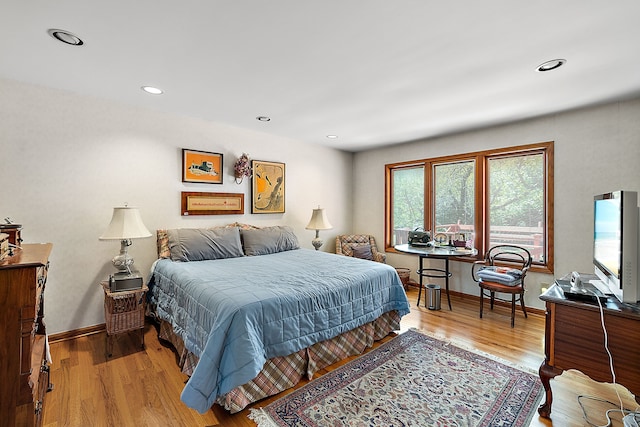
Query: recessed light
(152, 90)
(263, 118)
(65, 37)
(332, 136)
(551, 65)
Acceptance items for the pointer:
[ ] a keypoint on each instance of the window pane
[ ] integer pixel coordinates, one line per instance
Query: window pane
(408, 202)
(516, 203)
(454, 199)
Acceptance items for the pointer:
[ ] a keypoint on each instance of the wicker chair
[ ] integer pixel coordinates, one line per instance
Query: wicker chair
(519, 259)
(347, 243)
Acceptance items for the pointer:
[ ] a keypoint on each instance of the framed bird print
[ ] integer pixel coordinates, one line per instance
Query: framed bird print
(267, 187)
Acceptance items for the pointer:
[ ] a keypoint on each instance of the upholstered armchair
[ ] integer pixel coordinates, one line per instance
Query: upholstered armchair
(359, 246)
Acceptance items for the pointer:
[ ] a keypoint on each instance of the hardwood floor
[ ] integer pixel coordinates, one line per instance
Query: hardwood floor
(142, 388)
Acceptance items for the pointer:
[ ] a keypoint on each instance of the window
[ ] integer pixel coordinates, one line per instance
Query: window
(408, 202)
(491, 197)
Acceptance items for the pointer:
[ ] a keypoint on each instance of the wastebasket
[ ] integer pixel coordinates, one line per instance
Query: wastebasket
(433, 297)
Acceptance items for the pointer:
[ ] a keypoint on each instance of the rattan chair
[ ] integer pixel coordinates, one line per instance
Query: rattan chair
(505, 268)
(351, 244)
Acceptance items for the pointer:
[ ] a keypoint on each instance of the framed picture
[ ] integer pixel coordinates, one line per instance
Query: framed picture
(267, 187)
(212, 203)
(201, 166)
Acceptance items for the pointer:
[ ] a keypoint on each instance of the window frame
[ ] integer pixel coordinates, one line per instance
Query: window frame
(481, 191)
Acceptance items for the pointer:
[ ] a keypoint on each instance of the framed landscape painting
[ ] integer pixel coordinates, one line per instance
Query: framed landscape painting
(201, 166)
(268, 187)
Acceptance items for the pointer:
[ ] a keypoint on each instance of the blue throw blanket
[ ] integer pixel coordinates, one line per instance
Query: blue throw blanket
(236, 313)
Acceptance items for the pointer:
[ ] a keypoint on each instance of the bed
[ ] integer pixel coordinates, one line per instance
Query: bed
(250, 312)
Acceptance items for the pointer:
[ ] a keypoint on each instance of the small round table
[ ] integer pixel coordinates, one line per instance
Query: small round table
(438, 252)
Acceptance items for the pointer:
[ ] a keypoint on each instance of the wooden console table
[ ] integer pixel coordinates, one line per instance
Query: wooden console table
(574, 340)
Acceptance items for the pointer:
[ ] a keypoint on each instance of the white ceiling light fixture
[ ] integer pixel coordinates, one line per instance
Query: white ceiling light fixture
(332, 136)
(65, 37)
(152, 90)
(551, 65)
(263, 119)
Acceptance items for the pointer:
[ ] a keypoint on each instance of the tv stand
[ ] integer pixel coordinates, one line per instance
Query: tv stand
(574, 340)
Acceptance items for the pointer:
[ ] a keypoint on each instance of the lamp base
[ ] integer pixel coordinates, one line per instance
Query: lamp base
(123, 261)
(317, 242)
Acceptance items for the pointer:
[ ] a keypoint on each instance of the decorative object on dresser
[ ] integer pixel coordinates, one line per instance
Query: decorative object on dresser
(123, 312)
(126, 224)
(4, 245)
(24, 369)
(318, 222)
(242, 168)
(201, 167)
(268, 187)
(13, 230)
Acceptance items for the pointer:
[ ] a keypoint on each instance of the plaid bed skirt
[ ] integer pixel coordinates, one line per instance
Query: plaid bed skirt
(281, 373)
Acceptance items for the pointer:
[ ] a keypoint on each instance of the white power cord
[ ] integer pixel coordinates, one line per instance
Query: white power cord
(630, 418)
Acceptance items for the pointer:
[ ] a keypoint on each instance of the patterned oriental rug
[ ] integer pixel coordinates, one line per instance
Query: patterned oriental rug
(411, 380)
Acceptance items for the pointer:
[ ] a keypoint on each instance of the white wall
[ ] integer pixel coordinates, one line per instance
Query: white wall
(66, 160)
(596, 150)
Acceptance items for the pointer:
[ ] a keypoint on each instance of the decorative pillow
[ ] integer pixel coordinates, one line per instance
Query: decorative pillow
(269, 240)
(503, 275)
(363, 252)
(198, 244)
(162, 239)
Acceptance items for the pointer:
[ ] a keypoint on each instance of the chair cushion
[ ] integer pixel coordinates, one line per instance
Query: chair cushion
(363, 252)
(503, 275)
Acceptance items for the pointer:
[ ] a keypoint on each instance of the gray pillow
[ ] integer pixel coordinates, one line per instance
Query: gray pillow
(363, 252)
(198, 244)
(269, 240)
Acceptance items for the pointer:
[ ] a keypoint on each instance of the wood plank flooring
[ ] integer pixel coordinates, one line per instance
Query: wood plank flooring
(142, 387)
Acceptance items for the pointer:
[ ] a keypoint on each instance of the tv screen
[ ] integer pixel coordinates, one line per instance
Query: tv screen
(615, 243)
(607, 235)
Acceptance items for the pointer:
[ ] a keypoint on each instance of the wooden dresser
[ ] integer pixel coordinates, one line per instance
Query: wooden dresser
(574, 339)
(24, 372)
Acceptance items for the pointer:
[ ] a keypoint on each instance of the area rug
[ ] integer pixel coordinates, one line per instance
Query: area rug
(411, 380)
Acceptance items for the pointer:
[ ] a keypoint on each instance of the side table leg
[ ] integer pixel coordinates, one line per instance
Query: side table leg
(446, 280)
(547, 373)
(420, 275)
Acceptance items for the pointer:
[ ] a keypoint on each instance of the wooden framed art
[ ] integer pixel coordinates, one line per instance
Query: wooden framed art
(201, 166)
(198, 203)
(267, 187)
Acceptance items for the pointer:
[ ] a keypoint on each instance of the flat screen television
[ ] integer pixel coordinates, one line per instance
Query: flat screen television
(615, 243)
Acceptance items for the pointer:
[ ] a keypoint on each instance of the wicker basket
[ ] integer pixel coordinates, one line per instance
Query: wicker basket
(124, 311)
(405, 276)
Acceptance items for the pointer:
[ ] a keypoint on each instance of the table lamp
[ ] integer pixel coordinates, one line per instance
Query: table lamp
(318, 222)
(126, 224)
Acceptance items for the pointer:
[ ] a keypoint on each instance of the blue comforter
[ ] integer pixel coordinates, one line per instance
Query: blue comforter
(236, 313)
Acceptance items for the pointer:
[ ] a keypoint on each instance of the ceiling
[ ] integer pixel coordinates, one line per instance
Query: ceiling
(372, 72)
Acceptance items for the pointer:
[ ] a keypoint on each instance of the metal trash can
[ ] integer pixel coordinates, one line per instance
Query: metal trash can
(433, 297)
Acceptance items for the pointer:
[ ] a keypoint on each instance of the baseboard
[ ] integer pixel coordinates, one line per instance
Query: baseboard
(77, 333)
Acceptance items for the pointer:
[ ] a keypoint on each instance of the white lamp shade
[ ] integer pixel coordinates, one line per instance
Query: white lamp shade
(126, 223)
(319, 221)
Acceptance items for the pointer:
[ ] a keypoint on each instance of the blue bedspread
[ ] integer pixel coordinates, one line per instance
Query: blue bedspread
(236, 313)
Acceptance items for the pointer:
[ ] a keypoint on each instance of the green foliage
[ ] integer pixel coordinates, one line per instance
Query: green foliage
(408, 198)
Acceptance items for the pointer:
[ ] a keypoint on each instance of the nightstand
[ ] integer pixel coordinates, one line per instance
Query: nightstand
(123, 312)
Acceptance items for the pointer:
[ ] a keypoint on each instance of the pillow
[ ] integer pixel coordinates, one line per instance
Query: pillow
(363, 252)
(198, 244)
(503, 275)
(269, 240)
